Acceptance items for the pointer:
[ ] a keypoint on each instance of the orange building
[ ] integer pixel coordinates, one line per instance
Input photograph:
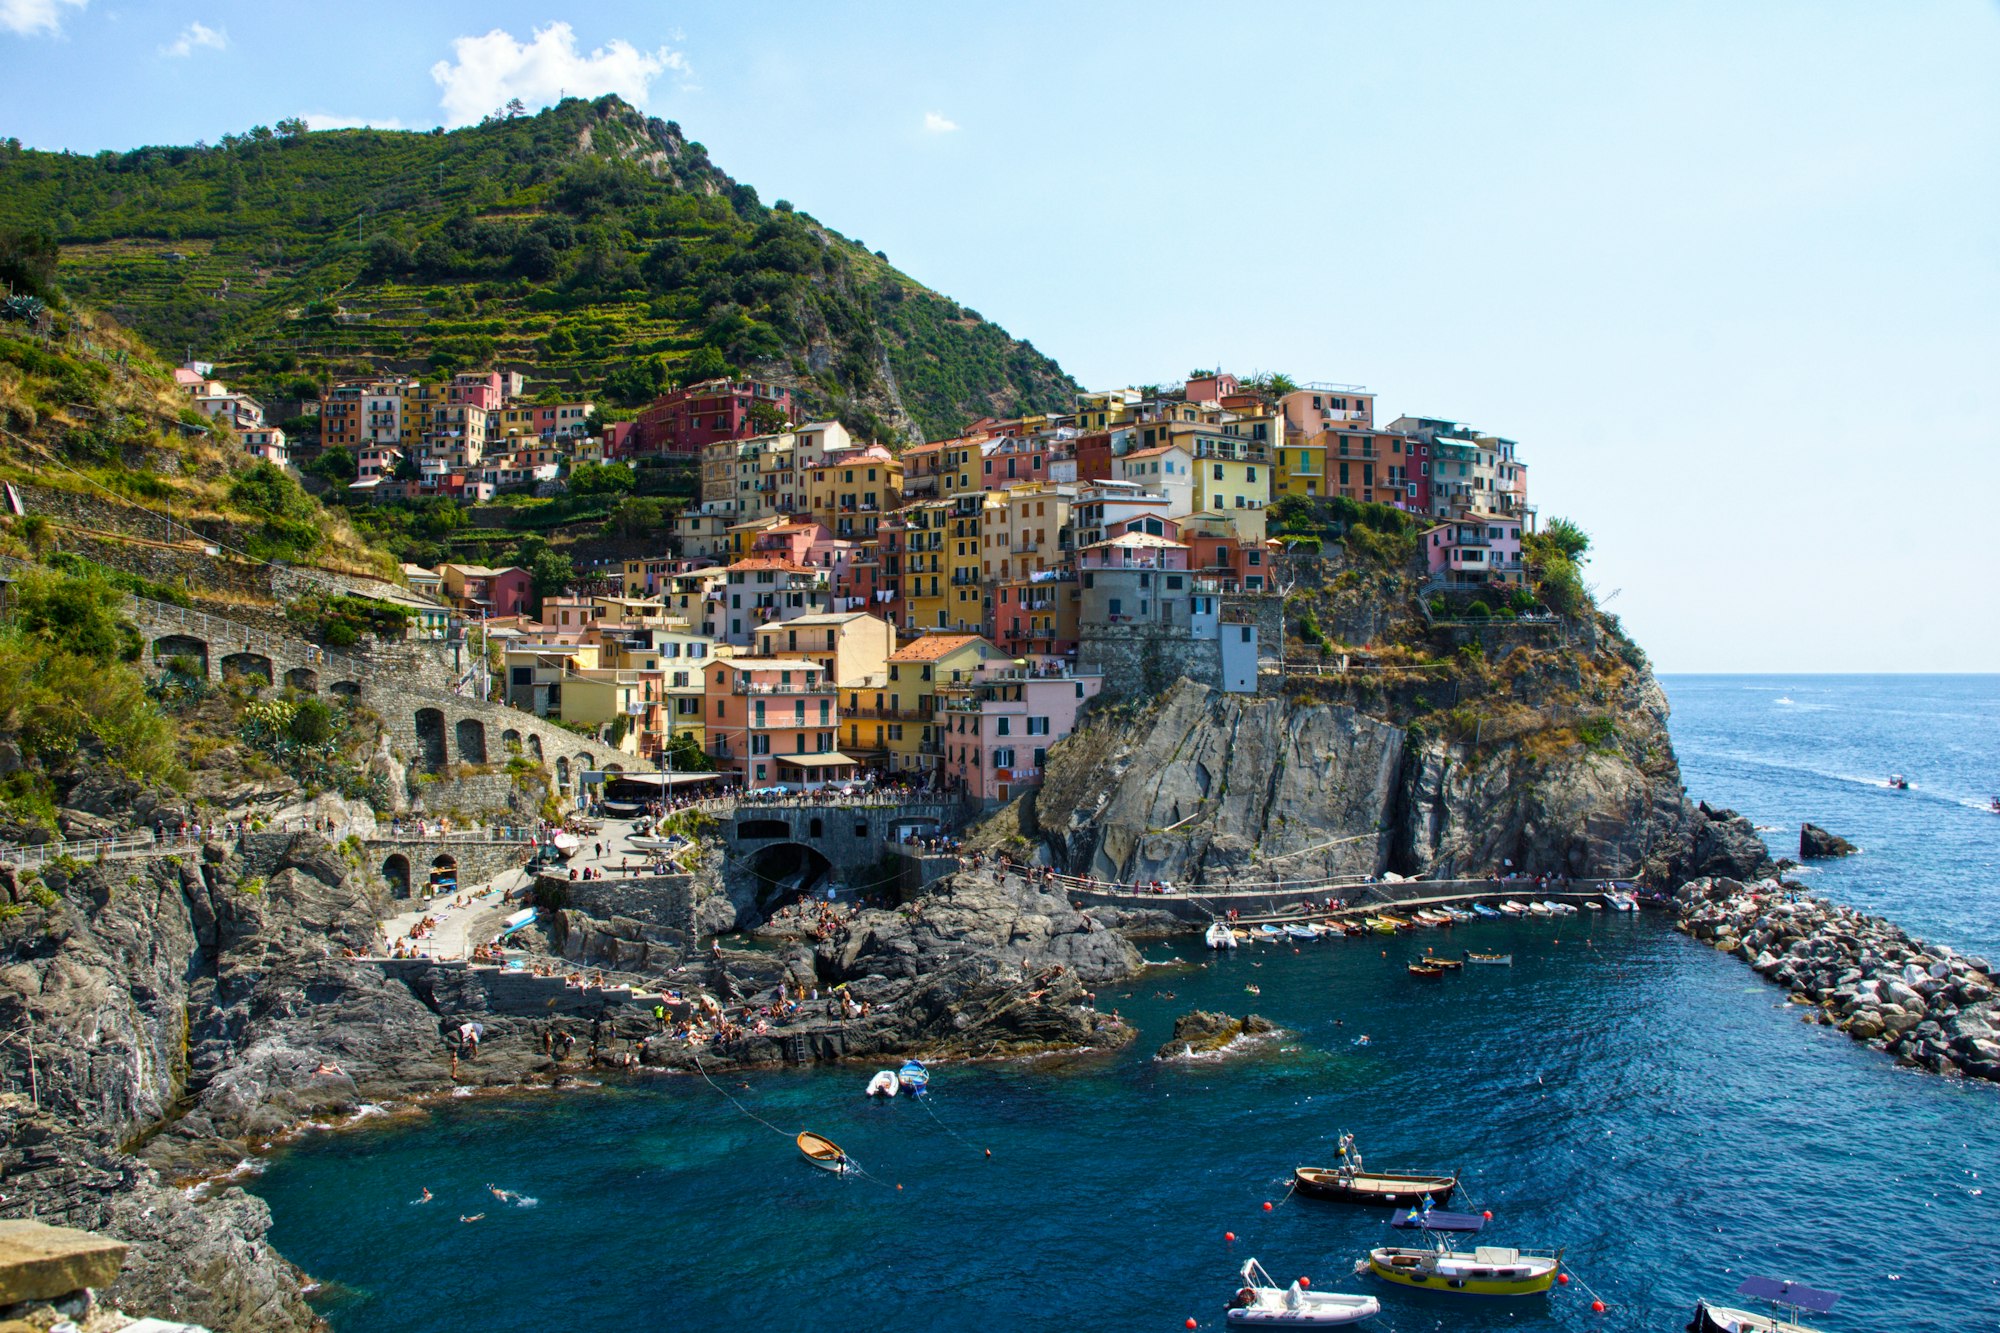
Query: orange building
(774, 720)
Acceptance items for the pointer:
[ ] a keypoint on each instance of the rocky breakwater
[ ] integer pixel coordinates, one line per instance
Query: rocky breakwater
(1925, 1004)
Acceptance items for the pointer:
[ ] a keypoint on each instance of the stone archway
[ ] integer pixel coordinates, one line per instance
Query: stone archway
(444, 874)
(346, 689)
(562, 771)
(535, 746)
(396, 869)
(786, 872)
(614, 768)
(510, 741)
(246, 666)
(168, 647)
(303, 679)
(430, 739)
(471, 741)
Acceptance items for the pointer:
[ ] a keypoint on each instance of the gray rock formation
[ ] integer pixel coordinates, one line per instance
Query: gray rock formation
(1815, 844)
(1929, 1006)
(1203, 1033)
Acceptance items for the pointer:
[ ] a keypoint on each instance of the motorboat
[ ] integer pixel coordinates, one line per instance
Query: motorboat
(824, 1153)
(1540, 909)
(1489, 959)
(1897, 782)
(1486, 1270)
(1262, 1303)
(1561, 909)
(1270, 932)
(1219, 936)
(1448, 964)
(1512, 908)
(1787, 1300)
(884, 1084)
(1349, 1182)
(916, 1079)
(1481, 909)
(1425, 971)
(1302, 932)
(1621, 902)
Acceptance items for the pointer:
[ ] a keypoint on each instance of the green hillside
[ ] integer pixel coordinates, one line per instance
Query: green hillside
(596, 249)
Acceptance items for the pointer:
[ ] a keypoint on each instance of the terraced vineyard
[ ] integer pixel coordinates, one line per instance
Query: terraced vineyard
(596, 249)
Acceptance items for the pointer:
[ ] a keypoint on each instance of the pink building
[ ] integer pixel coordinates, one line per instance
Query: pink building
(1474, 551)
(998, 728)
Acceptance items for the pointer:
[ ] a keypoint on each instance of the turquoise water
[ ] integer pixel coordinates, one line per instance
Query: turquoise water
(1622, 1092)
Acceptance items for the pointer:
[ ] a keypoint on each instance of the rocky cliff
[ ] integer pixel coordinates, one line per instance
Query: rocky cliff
(1552, 758)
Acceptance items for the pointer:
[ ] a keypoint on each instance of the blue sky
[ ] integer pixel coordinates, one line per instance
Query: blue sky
(1726, 271)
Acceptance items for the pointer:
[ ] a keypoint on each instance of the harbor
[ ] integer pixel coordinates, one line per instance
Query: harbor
(1117, 1170)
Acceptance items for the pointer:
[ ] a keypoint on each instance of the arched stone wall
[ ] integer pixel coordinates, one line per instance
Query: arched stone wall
(396, 869)
(431, 739)
(303, 679)
(248, 665)
(169, 646)
(471, 741)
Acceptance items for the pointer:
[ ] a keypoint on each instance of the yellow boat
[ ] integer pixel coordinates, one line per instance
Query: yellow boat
(1381, 925)
(1398, 922)
(1486, 1270)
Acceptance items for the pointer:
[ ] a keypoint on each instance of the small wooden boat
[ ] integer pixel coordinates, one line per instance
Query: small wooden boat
(1540, 909)
(1592, 905)
(1425, 971)
(1481, 909)
(1376, 1188)
(1512, 908)
(1381, 925)
(1488, 1270)
(1262, 1303)
(1448, 964)
(1219, 936)
(916, 1079)
(1398, 922)
(1489, 959)
(824, 1153)
(1301, 932)
(884, 1084)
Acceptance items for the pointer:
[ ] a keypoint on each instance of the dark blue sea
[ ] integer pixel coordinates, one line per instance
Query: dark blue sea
(1622, 1092)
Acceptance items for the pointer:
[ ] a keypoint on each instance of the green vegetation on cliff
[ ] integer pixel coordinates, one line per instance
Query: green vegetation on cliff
(597, 249)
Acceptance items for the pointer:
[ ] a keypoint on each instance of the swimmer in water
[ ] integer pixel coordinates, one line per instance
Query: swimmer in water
(474, 1218)
(425, 1199)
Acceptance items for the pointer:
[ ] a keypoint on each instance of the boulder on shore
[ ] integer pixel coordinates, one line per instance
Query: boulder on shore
(1816, 844)
(1202, 1033)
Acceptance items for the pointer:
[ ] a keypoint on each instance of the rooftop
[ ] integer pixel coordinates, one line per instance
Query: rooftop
(933, 646)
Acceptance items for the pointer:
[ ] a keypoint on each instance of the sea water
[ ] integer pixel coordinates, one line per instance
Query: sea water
(1622, 1092)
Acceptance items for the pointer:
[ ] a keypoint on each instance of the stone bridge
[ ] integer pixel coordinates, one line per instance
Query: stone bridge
(429, 727)
(774, 849)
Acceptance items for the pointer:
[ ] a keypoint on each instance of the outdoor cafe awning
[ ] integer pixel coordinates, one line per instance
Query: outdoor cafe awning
(661, 781)
(830, 759)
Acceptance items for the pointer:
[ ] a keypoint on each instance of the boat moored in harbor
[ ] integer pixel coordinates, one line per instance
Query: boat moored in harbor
(823, 1153)
(1220, 936)
(884, 1084)
(1262, 1303)
(1349, 1182)
(916, 1079)
(1489, 959)
(1486, 1270)
(1787, 1300)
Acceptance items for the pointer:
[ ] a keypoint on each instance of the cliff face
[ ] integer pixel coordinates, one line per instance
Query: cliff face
(1556, 760)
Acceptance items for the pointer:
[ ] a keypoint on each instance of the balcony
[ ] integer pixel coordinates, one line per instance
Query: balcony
(759, 687)
(793, 723)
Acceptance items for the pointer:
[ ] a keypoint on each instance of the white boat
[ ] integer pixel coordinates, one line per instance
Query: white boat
(1220, 936)
(657, 844)
(1262, 1303)
(1539, 909)
(1788, 1300)
(884, 1084)
(1592, 905)
(1622, 902)
(567, 844)
(1512, 908)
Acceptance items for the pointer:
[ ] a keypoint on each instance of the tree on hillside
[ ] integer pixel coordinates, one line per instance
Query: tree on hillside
(28, 261)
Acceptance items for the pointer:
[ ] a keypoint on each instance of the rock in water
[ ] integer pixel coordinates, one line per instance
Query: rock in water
(1202, 1033)
(1815, 843)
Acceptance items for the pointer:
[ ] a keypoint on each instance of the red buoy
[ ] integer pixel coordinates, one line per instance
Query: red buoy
(1563, 1278)
(1267, 1205)
(1191, 1323)
(989, 1152)
(1488, 1215)
(1229, 1235)
(1597, 1307)
(1305, 1282)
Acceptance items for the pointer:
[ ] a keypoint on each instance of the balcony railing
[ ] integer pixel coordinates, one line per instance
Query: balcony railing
(759, 687)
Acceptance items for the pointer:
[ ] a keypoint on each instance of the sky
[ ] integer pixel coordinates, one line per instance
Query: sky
(1729, 273)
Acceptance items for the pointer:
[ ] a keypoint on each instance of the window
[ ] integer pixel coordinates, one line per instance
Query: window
(1218, 472)
(1003, 757)
(1173, 583)
(1038, 726)
(1000, 726)
(1117, 606)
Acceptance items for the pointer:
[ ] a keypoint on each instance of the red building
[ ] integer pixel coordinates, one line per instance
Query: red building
(1093, 457)
(687, 420)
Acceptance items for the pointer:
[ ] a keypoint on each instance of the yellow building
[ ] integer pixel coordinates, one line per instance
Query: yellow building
(851, 645)
(1234, 480)
(1022, 528)
(926, 590)
(1302, 466)
(610, 700)
(964, 566)
(914, 734)
(865, 716)
(851, 491)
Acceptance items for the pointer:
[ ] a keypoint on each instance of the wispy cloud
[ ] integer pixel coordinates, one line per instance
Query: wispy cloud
(327, 120)
(489, 71)
(195, 37)
(937, 124)
(30, 17)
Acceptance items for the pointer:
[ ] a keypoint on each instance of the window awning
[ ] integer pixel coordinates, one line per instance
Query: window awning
(830, 759)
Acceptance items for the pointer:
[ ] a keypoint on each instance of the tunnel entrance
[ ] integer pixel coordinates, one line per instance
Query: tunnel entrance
(786, 872)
